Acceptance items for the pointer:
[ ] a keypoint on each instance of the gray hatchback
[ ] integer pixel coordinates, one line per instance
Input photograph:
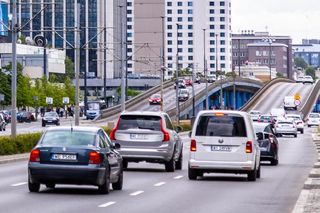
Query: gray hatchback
(150, 137)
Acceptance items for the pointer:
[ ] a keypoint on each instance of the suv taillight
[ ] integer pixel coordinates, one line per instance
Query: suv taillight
(249, 147)
(94, 158)
(113, 131)
(166, 136)
(193, 145)
(35, 155)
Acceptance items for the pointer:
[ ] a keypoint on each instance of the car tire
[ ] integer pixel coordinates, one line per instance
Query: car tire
(170, 165)
(50, 185)
(252, 175)
(125, 164)
(0, 128)
(192, 174)
(295, 135)
(274, 162)
(302, 131)
(259, 172)
(33, 187)
(43, 124)
(118, 185)
(105, 188)
(180, 161)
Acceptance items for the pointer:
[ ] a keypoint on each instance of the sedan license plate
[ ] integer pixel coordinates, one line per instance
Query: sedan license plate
(137, 136)
(64, 157)
(221, 148)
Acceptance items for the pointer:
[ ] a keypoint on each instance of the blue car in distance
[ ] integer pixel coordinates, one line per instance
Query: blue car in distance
(75, 155)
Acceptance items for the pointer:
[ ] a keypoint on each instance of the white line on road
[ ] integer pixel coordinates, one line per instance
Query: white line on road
(159, 184)
(19, 184)
(106, 204)
(178, 177)
(136, 193)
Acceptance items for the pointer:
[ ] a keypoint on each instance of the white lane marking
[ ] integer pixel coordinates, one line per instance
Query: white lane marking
(159, 184)
(178, 177)
(107, 204)
(19, 184)
(136, 193)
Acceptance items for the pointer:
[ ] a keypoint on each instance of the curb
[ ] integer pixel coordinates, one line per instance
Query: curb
(14, 158)
(312, 183)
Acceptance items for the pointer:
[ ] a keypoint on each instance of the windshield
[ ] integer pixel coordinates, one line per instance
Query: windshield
(255, 113)
(314, 116)
(285, 122)
(155, 96)
(183, 91)
(68, 138)
(93, 106)
(223, 126)
(50, 114)
(139, 122)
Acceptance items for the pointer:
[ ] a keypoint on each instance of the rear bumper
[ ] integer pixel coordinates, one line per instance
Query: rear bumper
(160, 154)
(66, 174)
(287, 131)
(223, 167)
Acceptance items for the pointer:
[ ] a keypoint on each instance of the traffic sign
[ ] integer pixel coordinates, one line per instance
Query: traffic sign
(1, 97)
(297, 96)
(49, 100)
(65, 100)
(297, 102)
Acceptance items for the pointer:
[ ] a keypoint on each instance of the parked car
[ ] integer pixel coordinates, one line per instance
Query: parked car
(313, 119)
(2, 123)
(25, 116)
(155, 99)
(268, 142)
(286, 127)
(50, 118)
(255, 115)
(224, 142)
(6, 115)
(183, 94)
(75, 155)
(148, 136)
(298, 121)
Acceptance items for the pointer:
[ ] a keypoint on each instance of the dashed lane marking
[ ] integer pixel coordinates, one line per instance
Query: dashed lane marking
(107, 204)
(136, 193)
(178, 177)
(159, 184)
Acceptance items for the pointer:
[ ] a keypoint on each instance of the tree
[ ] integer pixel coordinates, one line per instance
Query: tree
(5, 87)
(69, 68)
(279, 75)
(300, 62)
(311, 71)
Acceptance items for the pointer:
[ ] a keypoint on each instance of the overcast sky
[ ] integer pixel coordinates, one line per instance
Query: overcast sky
(296, 18)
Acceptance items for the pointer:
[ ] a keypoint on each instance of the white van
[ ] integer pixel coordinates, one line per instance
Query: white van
(224, 142)
(289, 102)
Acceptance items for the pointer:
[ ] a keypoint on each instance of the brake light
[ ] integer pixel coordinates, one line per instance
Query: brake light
(249, 147)
(166, 136)
(193, 145)
(94, 158)
(218, 114)
(35, 155)
(113, 131)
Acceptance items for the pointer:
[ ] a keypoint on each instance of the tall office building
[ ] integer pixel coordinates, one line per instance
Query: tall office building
(56, 23)
(184, 24)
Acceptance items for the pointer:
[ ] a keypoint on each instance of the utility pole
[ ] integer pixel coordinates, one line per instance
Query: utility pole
(239, 53)
(217, 71)
(193, 95)
(205, 68)
(177, 79)
(77, 64)
(123, 81)
(45, 70)
(105, 56)
(270, 50)
(162, 64)
(14, 28)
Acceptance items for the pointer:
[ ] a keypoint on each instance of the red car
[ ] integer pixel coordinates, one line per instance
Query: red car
(188, 82)
(155, 99)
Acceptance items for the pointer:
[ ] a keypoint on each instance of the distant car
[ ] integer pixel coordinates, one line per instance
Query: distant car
(267, 119)
(50, 118)
(148, 136)
(307, 79)
(223, 142)
(155, 99)
(211, 78)
(255, 115)
(6, 115)
(289, 102)
(300, 79)
(268, 142)
(75, 155)
(2, 123)
(183, 94)
(286, 127)
(188, 82)
(279, 113)
(25, 116)
(198, 80)
(298, 121)
(181, 85)
(313, 119)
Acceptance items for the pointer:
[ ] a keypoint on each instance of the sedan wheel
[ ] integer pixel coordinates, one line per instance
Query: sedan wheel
(105, 188)
(118, 185)
(33, 187)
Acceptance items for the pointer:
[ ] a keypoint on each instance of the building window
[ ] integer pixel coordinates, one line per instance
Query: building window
(180, 50)
(211, 3)
(129, 35)
(129, 65)
(169, 34)
(190, 19)
(212, 66)
(190, 27)
(223, 66)
(212, 50)
(129, 19)
(169, 50)
(179, 34)
(180, 26)
(169, 11)
(179, 11)
(222, 3)
(212, 19)
(169, 27)
(180, 19)
(190, 11)
(222, 35)
(223, 50)
(129, 4)
(169, 3)
(169, 19)
(211, 11)
(212, 58)
(190, 58)
(190, 50)
(222, 42)
(170, 65)
(129, 11)
(169, 58)
(222, 27)
(129, 27)
(222, 11)
(129, 50)
(179, 3)
(190, 4)
(222, 19)
(211, 26)
(212, 42)
(169, 42)
(190, 34)
(222, 58)
(190, 42)
(180, 58)
(180, 42)
(212, 34)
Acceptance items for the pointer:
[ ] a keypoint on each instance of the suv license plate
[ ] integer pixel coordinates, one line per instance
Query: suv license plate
(221, 148)
(64, 157)
(137, 136)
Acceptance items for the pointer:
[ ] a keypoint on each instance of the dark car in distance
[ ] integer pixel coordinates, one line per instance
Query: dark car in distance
(50, 118)
(268, 142)
(75, 155)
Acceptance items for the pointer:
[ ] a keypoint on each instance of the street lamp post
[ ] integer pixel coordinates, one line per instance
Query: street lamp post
(162, 70)
(177, 79)
(193, 96)
(269, 40)
(239, 59)
(205, 68)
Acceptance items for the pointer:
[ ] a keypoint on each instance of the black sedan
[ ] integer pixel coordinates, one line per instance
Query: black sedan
(75, 155)
(50, 118)
(268, 142)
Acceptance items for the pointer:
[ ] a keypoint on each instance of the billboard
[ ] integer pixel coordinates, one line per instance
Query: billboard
(4, 18)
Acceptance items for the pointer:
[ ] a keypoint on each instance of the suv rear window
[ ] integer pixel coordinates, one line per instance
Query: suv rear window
(223, 126)
(139, 122)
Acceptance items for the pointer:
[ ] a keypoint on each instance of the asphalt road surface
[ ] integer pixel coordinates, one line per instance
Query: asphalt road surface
(148, 188)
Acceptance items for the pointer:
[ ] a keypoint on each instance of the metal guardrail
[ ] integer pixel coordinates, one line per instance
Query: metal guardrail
(137, 99)
(255, 98)
(311, 100)
(188, 103)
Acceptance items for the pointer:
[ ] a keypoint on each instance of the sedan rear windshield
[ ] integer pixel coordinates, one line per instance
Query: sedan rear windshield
(139, 122)
(68, 138)
(223, 126)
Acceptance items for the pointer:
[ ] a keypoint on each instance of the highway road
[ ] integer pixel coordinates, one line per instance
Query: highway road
(148, 188)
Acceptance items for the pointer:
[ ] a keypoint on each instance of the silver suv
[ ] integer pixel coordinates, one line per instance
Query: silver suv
(150, 137)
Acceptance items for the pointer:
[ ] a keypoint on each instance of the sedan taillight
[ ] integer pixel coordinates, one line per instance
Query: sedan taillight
(35, 155)
(94, 158)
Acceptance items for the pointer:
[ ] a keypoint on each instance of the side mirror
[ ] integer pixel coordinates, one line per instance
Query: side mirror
(178, 129)
(116, 146)
(260, 135)
(190, 133)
